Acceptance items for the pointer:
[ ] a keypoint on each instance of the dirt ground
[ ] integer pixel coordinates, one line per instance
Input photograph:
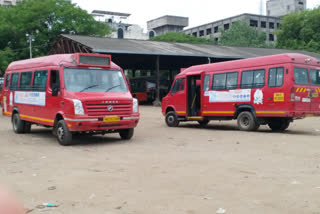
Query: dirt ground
(163, 170)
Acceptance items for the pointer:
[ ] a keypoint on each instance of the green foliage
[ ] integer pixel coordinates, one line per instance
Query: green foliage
(300, 31)
(180, 37)
(241, 34)
(45, 20)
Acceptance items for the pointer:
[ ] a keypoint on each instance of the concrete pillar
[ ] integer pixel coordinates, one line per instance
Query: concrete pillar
(157, 101)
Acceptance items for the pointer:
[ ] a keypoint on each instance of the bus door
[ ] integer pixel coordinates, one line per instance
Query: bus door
(178, 93)
(53, 94)
(6, 94)
(193, 96)
(315, 90)
(301, 90)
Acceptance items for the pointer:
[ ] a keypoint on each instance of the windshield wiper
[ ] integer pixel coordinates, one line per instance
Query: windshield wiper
(86, 88)
(112, 88)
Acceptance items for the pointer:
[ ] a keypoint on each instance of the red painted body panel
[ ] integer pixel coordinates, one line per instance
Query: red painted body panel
(94, 103)
(271, 106)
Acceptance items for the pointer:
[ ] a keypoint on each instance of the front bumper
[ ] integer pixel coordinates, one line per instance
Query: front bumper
(84, 124)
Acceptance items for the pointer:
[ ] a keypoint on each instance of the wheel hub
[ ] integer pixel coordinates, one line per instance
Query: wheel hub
(170, 119)
(60, 133)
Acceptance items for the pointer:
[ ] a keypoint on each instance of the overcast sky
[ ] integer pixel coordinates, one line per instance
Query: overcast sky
(199, 12)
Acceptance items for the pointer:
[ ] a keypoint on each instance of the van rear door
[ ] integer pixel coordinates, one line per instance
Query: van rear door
(301, 91)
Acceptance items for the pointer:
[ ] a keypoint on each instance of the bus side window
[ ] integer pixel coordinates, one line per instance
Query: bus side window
(315, 77)
(25, 81)
(276, 77)
(301, 76)
(14, 82)
(206, 81)
(252, 79)
(40, 80)
(232, 80)
(54, 79)
(219, 81)
(7, 81)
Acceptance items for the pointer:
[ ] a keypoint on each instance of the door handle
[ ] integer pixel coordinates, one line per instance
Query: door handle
(270, 98)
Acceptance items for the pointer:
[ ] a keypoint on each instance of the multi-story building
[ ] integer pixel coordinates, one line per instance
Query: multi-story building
(284, 7)
(8, 3)
(167, 24)
(267, 24)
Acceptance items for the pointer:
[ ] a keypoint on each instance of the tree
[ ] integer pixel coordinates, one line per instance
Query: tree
(180, 37)
(300, 31)
(241, 34)
(45, 20)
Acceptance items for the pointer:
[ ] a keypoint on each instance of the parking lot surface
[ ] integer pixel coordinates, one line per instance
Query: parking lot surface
(162, 170)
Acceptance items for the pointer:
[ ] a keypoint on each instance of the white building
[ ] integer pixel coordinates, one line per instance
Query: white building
(284, 7)
(120, 26)
(8, 3)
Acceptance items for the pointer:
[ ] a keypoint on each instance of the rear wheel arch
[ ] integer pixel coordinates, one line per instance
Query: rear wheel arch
(245, 107)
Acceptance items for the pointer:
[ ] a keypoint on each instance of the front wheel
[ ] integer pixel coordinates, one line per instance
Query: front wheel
(18, 125)
(126, 134)
(172, 119)
(64, 136)
(247, 122)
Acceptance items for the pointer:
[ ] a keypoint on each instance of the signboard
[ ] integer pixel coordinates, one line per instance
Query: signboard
(278, 97)
(30, 98)
(242, 95)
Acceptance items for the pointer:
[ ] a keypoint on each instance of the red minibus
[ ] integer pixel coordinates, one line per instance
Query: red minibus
(73, 93)
(271, 90)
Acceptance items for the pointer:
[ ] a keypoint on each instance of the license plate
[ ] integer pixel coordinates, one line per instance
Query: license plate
(111, 119)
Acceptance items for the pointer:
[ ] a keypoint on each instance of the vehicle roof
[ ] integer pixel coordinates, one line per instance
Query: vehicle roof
(252, 62)
(46, 61)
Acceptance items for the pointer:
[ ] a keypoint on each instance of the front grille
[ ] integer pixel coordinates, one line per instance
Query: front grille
(99, 109)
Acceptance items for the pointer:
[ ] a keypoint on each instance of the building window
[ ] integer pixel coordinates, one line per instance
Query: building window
(271, 37)
(263, 24)
(194, 34)
(216, 29)
(216, 39)
(268, 13)
(300, 2)
(201, 33)
(278, 25)
(226, 26)
(209, 31)
(253, 23)
(288, 7)
(271, 25)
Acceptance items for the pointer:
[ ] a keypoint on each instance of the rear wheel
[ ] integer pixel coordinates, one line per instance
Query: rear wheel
(64, 136)
(279, 124)
(247, 122)
(18, 125)
(126, 134)
(172, 119)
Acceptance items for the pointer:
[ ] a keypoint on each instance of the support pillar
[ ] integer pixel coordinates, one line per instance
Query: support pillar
(157, 101)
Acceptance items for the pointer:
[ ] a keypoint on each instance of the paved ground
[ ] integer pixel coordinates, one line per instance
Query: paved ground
(163, 170)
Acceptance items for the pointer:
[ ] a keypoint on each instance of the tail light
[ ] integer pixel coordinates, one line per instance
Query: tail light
(292, 95)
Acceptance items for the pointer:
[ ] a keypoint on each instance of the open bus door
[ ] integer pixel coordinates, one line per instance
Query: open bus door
(194, 97)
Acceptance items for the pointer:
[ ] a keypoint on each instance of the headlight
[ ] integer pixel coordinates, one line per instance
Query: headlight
(78, 108)
(135, 105)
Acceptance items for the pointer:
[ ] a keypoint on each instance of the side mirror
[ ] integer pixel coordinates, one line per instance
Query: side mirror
(55, 92)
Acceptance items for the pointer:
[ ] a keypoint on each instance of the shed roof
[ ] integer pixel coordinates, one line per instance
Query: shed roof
(147, 47)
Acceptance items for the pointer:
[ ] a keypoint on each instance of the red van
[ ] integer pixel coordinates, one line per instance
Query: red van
(73, 93)
(272, 90)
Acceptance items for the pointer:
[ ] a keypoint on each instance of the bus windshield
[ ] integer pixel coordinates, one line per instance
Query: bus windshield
(94, 80)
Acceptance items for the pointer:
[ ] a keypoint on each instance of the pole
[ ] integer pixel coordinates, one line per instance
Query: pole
(30, 45)
(157, 101)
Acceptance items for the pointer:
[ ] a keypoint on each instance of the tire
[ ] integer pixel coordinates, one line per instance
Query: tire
(279, 124)
(203, 122)
(246, 122)
(18, 125)
(27, 127)
(64, 136)
(172, 119)
(126, 134)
